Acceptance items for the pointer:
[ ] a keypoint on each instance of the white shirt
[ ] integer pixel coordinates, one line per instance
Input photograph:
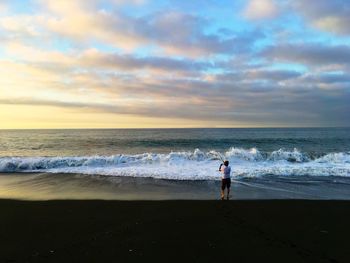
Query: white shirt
(226, 171)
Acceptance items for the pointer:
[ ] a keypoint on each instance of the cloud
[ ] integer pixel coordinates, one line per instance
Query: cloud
(332, 16)
(272, 75)
(21, 27)
(169, 109)
(97, 59)
(94, 81)
(283, 107)
(260, 9)
(309, 53)
(328, 78)
(169, 63)
(171, 32)
(83, 24)
(181, 33)
(3, 7)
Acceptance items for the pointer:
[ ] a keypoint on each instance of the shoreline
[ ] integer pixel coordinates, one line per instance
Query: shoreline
(130, 231)
(51, 186)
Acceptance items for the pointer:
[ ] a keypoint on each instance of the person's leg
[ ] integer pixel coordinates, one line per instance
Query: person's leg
(223, 185)
(228, 188)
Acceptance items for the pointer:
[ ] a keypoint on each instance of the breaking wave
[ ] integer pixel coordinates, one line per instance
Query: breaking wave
(190, 165)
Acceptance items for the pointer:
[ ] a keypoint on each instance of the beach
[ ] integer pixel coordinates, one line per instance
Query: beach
(153, 195)
(173, 231)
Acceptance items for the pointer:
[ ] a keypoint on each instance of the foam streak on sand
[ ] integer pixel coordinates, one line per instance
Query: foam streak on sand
(188, 165)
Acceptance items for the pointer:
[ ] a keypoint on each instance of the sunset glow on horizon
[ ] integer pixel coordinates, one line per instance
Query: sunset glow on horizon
(164, 63)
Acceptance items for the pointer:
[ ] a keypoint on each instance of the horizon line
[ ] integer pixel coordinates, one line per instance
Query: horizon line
(159, 128)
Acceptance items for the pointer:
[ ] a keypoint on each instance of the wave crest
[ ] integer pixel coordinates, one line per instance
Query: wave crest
(252, 154)
(335, 158)
(290, 156)
(188, 165)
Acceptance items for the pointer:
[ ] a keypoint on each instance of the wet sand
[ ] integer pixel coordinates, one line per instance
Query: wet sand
(48, 186)
(174, 231)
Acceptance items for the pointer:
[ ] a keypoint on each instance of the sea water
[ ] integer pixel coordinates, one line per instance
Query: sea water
(266, 162)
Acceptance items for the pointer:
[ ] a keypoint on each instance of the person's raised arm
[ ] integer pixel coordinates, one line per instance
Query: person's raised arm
(220, 167)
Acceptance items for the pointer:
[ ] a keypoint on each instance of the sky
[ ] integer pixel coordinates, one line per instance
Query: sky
(165, 63)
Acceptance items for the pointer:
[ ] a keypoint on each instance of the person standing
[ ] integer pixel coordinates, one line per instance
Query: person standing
(225, 169)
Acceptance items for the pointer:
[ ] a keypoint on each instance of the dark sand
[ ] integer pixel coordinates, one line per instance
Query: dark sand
(175, 231)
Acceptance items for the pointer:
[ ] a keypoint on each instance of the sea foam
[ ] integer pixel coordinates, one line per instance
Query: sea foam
(188, 165)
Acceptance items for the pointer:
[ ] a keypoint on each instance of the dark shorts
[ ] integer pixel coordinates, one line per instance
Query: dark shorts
(225, 183)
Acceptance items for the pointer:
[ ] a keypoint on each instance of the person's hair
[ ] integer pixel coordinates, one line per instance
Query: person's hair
(226, 163)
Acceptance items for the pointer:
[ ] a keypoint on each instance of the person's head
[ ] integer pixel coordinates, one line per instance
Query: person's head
(226, 163)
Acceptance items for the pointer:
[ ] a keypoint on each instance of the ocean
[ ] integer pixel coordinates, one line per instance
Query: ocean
(267, 163)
